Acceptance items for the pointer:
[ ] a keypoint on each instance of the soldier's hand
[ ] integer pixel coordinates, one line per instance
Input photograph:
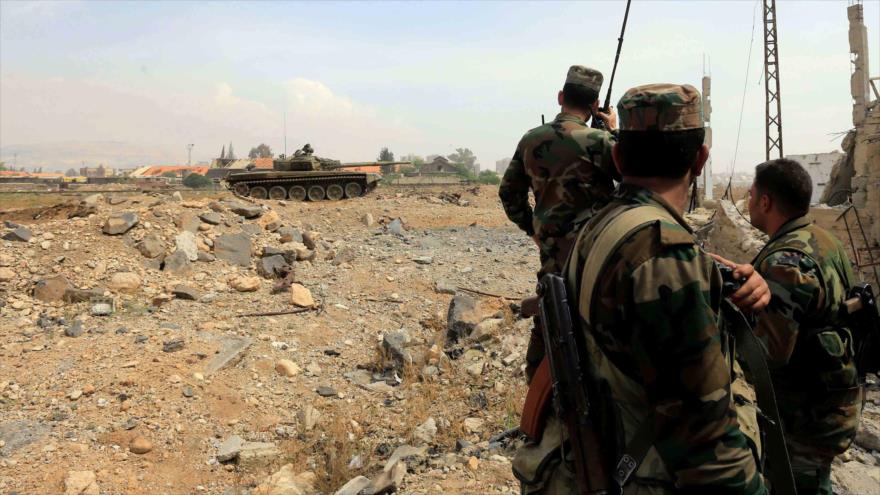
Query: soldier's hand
(754, 295)
(609, 118)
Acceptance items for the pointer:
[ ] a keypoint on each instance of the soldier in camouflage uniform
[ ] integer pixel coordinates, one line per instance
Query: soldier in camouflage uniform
(568, 167)
(650, 318)
(810, 348)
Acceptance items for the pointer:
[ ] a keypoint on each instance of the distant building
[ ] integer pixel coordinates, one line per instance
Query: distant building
(501, 165)
(819, 166)
(179, 171)
(99, 171)
(439, 164)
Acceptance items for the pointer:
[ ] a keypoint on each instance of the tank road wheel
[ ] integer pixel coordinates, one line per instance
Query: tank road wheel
(298, 193)
(335, 192)
(240, 189)
(259, 192)
(316, 193)
(353, 190)
(277, 192)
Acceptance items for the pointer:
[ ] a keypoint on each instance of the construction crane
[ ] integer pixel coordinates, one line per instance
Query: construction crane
(772, 96)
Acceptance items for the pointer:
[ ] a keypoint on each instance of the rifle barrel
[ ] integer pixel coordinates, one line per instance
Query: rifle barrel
(617, 56)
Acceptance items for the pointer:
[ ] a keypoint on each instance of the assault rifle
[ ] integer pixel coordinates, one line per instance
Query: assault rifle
(572, 388)
(861, 309)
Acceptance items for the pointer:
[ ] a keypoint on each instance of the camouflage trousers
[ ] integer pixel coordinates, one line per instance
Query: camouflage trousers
(812, 477)
(554, 252)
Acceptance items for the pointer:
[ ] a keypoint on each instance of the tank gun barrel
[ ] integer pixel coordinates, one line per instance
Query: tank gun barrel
(370, 164)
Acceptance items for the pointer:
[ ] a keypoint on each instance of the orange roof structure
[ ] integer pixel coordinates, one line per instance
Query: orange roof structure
(263, 162)
(157, 170)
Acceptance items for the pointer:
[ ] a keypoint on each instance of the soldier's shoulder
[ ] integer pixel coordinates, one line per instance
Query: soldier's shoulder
(788, 259)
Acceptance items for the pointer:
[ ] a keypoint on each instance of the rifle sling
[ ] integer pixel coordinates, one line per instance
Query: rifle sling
(752, 353)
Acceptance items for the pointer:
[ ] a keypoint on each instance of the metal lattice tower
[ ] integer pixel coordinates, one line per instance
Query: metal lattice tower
(773, 109)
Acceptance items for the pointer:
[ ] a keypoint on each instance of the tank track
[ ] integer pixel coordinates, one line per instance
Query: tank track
(286, 182)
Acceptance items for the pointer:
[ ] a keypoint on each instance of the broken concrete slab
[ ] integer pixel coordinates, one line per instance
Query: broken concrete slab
(234, 248)
(17, 434)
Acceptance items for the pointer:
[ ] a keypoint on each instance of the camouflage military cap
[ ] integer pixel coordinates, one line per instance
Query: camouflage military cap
(660, 107)
(584, 76)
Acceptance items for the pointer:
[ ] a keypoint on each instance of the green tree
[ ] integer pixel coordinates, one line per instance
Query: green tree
(464, 156)
(71, 172)
(230, 155)
(2, 166)
(385, 155)
(261, 151)
(196, 181)
(488, 177)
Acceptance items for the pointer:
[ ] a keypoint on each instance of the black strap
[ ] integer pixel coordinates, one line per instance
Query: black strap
(636, 450)
(752, 353)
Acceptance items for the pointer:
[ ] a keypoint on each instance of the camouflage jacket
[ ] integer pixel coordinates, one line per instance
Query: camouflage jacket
(809, 346)
(568, 167)
(655, 318)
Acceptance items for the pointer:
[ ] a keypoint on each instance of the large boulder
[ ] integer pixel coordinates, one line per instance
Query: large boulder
(211, 218)
(177, 262)
(120, 223)
(274, 266)
(290, 234)
(81, 483)
(188, 222)
(234, 248)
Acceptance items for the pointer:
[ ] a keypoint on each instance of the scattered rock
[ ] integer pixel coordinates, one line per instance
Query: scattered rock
(301, 296)
(211, 218)
(396, 227)
(389, 480)
(124, 282)
(426, 431)
(234, 248)
(173, 345)
(18, 234)
(74, 330)
(326, 391)
(151, 246)
(354, 486)
(177, 262)
(473, 425)
(286, 482)
(290, 234)
(187, 222)
(309, 239)
(465, 313)
(254, 454)
(395, 344)
(275, 266)
(345, 255)
(473, 463)
(868, 436)
(247, 211)
(92, 199)
(231, 351)
(176, 196)
(6, 274)
(270, 221)
(51, 289)
(186, 242)
(120, 223)
(487, 329)
(81, 483)
(286, 367)
(245, 284)
(115, 200)
(423, 260)
(140, 445)
(186, 292)
(367, 219)
(230, 448)
(445, 286)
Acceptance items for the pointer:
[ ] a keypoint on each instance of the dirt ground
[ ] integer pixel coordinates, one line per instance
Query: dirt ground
(371, 365)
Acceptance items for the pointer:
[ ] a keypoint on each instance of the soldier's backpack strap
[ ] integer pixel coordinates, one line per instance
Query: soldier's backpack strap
(618, 229)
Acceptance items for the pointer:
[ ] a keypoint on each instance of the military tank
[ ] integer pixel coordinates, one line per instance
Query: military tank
(304, 176)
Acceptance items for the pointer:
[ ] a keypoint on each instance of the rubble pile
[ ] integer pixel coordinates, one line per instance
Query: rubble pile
(202, 344)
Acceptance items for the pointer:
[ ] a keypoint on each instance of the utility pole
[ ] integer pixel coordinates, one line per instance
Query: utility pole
(773, 103)
(189, 153)
(707, 124)
(285, 133)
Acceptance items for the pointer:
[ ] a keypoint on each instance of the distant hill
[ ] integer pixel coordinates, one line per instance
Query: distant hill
(64, 155)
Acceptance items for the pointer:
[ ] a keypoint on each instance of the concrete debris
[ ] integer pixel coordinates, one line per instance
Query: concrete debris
(355, 486)
(177, 262)
(301, 296)
(19, 234)
(287, 482)
(231, 351)
(186, 242)
(81, 483)
(247, 211)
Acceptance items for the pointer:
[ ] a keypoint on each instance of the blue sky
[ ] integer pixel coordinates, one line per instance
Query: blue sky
(419, 77)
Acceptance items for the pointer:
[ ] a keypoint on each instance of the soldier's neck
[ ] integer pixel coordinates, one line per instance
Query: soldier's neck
(577, 113)
(673, 191)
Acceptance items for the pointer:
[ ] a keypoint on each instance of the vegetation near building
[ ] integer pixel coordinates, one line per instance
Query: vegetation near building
(196, 181)
(261, 151)
(488, 177)
(169, 174)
